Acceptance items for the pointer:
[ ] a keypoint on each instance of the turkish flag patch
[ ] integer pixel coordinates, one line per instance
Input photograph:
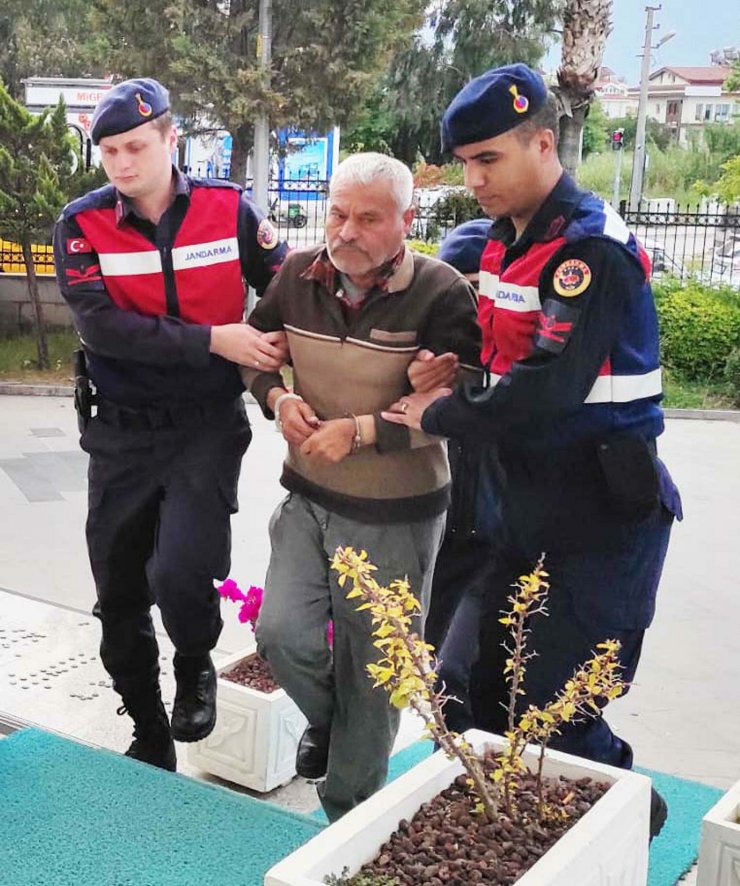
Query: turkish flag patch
(77, 245)
(555, 325)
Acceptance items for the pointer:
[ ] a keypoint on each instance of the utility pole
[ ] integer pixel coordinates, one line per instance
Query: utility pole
(261, 156)
(638, 158)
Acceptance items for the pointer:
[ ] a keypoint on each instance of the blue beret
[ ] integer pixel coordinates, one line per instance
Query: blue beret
(464, 245)
(128, 105)
(492, 104)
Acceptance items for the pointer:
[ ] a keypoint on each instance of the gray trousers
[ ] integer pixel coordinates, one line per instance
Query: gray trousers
(332, 686)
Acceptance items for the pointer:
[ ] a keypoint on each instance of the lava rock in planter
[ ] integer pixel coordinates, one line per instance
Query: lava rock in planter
(609, 844)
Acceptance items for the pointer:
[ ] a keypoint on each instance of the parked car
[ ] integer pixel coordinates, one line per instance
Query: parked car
(663, 264)
(725, 268)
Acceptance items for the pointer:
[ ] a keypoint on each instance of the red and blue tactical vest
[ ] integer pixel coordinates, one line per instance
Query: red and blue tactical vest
(204, 260)
(628, 389)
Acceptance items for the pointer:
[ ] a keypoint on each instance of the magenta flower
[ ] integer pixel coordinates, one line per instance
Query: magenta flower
(251, 606)
(230, 590)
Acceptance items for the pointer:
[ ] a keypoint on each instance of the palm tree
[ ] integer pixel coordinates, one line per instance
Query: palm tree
(586, 25)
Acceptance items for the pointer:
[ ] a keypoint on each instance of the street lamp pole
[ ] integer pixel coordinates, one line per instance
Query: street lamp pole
(261, 155)
(638, 158)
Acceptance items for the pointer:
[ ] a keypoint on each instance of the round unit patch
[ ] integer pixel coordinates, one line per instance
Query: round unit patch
(572, 277)
(267, 236)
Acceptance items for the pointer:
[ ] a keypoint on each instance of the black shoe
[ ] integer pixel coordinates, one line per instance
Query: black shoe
(658, 813)
(152, 740)
(154, 751)
(194, 711)
(312, 756)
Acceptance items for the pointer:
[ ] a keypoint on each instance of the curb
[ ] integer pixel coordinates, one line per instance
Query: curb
(18, 389)
(704, 414)
(40, 390)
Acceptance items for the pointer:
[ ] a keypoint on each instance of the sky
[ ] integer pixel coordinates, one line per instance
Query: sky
(700, 25)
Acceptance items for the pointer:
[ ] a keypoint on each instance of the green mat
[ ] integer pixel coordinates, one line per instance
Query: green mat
(71, 815)
(76, 816)
(671, 853)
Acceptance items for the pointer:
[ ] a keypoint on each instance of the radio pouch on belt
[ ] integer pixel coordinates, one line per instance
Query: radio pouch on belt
(630, 472)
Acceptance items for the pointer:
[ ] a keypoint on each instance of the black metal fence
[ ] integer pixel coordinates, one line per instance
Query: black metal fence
(690, 242)
(298, 210)
(699, 243)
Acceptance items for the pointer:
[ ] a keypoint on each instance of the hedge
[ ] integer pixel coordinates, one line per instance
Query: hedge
(699, 327)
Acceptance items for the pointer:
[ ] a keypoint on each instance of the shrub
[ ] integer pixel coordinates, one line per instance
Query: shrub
(732, 374)
(457, 207)
(699, 328)
(424, 247)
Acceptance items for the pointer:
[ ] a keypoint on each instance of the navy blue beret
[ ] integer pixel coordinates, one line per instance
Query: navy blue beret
(128, 105)
(492, 104)
(464, 245)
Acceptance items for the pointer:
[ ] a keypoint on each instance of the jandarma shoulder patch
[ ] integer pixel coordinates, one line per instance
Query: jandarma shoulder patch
(571, 278)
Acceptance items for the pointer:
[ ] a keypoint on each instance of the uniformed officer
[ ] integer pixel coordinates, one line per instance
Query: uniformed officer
(470, 531)
(153, 266)
(574, 412)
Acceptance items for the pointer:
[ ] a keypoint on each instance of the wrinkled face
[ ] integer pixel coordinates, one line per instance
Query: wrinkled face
(139, 162)
(504, 172)
(364, 227)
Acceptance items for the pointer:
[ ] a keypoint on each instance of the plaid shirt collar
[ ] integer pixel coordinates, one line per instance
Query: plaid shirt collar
(325, 274)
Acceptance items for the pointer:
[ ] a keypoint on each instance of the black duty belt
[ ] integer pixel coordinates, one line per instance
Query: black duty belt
(161, 417)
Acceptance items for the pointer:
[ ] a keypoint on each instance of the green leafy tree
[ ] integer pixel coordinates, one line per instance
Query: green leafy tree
(732, 83)
(326, 55)
(460, 40)
(728, 185)
(37, 177)
(597, 129)
(49, 38)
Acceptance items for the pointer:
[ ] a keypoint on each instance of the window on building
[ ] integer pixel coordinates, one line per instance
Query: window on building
(722, 113)
(708, 112)
(657, 109)
(699, 112)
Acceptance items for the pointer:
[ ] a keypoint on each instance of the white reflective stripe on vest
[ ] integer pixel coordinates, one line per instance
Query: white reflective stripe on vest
(129, 264)
(200, 255)
(618, 388)
(487, 284)
(510, 297)
(625, 388)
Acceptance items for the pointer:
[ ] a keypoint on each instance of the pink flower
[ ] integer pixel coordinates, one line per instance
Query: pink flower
(231, 591)
(251, 607)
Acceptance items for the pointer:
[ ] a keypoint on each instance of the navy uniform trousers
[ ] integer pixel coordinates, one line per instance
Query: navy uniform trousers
(162, 488)
(594, 595)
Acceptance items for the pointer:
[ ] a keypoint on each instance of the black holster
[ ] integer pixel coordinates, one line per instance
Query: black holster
(85, 397)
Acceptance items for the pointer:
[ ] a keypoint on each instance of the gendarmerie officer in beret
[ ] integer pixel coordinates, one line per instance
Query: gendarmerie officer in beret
(153, 267)
(574, 412)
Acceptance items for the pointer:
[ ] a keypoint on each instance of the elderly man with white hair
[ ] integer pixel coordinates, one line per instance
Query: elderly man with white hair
(356, 311)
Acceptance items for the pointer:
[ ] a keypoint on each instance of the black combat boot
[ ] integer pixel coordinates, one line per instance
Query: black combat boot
(194, 711)
(152, 740)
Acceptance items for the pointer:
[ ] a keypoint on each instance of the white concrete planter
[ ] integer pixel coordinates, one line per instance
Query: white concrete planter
(719, 856)
(256, 735)
(609, 845)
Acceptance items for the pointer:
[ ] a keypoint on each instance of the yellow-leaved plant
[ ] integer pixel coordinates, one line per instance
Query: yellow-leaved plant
(407, 671)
